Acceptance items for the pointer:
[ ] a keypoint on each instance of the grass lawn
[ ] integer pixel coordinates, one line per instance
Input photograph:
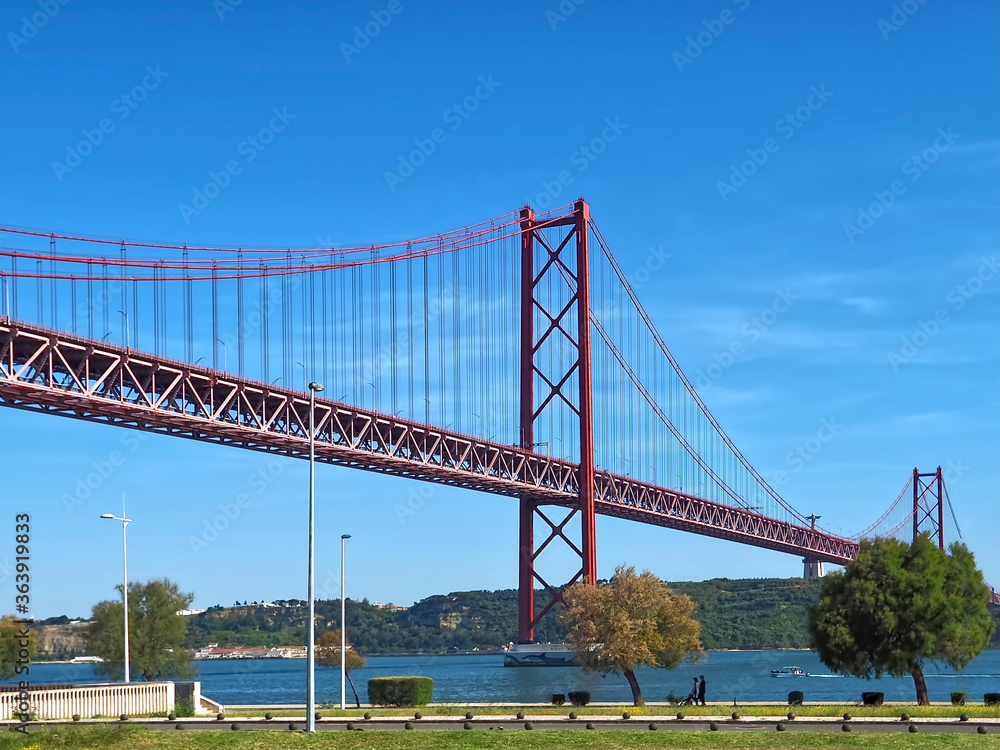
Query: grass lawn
(722, 709)
(129, 738)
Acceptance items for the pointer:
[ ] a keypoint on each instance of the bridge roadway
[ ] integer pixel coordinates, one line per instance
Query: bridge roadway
(65, 374)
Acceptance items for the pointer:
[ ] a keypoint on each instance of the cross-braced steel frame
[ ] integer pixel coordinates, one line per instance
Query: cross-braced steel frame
(565, 324)
(928, 504)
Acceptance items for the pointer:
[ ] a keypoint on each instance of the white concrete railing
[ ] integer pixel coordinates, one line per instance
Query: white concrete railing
(89, 700)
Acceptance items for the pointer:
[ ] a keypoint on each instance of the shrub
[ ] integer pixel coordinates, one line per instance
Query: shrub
(992, 699)
(795, 698)
(672, 699)
(579, 697)
(872, 699)
(184, 706)
(558, 699)
(958, 698)
(400, 691)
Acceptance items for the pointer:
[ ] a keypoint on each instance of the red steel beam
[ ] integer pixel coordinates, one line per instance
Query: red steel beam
(526, 518)
(68, 375)
(586, 402)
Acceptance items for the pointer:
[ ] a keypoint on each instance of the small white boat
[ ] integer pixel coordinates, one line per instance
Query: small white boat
(789, 672)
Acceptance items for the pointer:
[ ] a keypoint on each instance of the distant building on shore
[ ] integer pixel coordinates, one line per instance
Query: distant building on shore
(213, 651)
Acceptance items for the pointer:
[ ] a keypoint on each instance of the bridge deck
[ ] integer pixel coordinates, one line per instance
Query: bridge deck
(59, 373)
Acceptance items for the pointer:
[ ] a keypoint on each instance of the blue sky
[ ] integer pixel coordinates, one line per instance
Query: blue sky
(843, 155)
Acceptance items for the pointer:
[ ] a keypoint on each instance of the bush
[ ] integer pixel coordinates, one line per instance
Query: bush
(558, 699)
(958, 698)
(184, 706)
(672, 699)
(872, 699)
(579, 697)
(400, 691)
(992, 699)
(795, 698)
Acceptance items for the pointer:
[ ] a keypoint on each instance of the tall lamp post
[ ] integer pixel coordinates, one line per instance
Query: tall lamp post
(343, 625)
(314, 388)
(6, 296)
(125, 523)
(125, 314)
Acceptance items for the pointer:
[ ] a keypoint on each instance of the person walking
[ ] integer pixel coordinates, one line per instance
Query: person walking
(692, 699)
(701, 691)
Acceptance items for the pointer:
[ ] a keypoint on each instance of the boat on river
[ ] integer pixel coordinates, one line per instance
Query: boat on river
(538, 655)
(789, 672)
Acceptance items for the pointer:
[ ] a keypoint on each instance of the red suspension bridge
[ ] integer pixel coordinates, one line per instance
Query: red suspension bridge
(520, 335)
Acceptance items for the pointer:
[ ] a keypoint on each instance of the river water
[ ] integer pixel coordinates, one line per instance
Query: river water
(740, 675)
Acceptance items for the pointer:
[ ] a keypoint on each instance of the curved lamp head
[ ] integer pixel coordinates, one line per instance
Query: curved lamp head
(315, 387)
(108, 515)
(345, 536)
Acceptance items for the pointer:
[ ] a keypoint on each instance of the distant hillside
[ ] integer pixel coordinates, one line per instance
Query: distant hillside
(752, 613)
(63, 640)
(742, 613)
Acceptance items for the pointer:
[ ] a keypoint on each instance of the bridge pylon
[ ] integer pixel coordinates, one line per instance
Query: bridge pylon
(928, 504)
(812, 568)
(555, 357)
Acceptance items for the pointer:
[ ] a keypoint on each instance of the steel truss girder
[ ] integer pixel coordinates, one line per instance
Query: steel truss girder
(68, 375)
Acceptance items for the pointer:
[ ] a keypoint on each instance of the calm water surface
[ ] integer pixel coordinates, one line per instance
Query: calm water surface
(743, 675)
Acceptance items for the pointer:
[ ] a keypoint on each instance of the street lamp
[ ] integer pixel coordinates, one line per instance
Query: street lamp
(343, 624)
(126, 327)
(311, 643)
(125, 523)
(225, 355)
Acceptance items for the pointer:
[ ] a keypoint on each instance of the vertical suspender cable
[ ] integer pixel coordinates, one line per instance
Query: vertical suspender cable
(325, 280)
(52, 282)
(188, 312)
(124, 300)
(376, 368)
(409, 339)
(105, 299)
(312, 324)
(265, 309)
(135, 313)
(90, 300)
(427, 345)
(13, 285)
(240, 315)
(393, 378)
(215, 317)
(156, 310)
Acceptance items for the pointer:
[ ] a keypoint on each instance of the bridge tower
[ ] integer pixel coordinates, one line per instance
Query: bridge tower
(555, 357)
(928, 504)
(812, 568)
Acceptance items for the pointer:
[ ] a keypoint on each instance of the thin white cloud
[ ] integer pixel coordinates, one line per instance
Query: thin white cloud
(868, 305)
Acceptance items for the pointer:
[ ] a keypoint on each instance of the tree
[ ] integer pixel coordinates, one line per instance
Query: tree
(156, 632)
(11, 644)
(328, 655)
(633, 620)
(898, 604)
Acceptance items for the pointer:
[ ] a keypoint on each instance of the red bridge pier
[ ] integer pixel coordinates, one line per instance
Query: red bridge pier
(563, 261)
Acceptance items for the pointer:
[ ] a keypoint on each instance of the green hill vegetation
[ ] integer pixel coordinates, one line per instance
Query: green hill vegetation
(746, 614)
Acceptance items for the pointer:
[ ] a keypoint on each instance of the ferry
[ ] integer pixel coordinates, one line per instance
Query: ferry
(538, 655)
(789, 672)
